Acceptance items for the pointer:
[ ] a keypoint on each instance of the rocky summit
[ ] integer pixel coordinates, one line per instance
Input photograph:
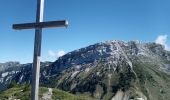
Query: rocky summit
(111, 70)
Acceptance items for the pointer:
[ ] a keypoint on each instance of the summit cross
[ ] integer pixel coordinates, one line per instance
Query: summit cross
(38, 26)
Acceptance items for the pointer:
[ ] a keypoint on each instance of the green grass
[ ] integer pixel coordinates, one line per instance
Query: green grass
(42, 91)
(153, 83)
(61, 95)
(15, 92)
(23, 92)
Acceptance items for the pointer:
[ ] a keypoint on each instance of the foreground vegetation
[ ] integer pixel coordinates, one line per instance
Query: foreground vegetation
(23, 92)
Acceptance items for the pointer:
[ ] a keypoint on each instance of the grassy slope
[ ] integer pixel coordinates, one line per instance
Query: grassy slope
(23, 92)
(62, 95)
(152, 82)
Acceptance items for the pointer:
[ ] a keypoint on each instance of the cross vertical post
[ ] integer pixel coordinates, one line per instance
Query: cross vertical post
(38, 26)
(37, 51)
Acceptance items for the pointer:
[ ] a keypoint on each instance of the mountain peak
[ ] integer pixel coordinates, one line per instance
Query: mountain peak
(104, 70)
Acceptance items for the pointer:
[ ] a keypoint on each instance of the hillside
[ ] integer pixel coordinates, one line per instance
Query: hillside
(22, 92)
(111, 70)
(105, 70)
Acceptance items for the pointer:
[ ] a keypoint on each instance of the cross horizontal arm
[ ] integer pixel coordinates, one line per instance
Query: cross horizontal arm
(49, 24)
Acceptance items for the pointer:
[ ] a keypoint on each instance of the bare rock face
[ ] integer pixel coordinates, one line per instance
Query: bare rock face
(120, 95)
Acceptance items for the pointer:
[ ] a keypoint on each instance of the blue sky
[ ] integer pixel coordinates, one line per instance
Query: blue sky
(90, 21)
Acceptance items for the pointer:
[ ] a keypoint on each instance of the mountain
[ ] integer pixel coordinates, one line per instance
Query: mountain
(111, 70)
(8, 65)
(105, 70)
(14, 71)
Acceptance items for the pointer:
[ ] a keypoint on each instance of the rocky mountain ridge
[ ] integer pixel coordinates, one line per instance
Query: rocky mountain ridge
(105, 70)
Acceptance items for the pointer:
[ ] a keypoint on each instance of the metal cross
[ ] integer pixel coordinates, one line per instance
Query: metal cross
(37, 43)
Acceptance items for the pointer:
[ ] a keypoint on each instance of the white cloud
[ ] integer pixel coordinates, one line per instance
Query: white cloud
(52, 55)
(56, 54)
(162, 39)
(60, 53)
